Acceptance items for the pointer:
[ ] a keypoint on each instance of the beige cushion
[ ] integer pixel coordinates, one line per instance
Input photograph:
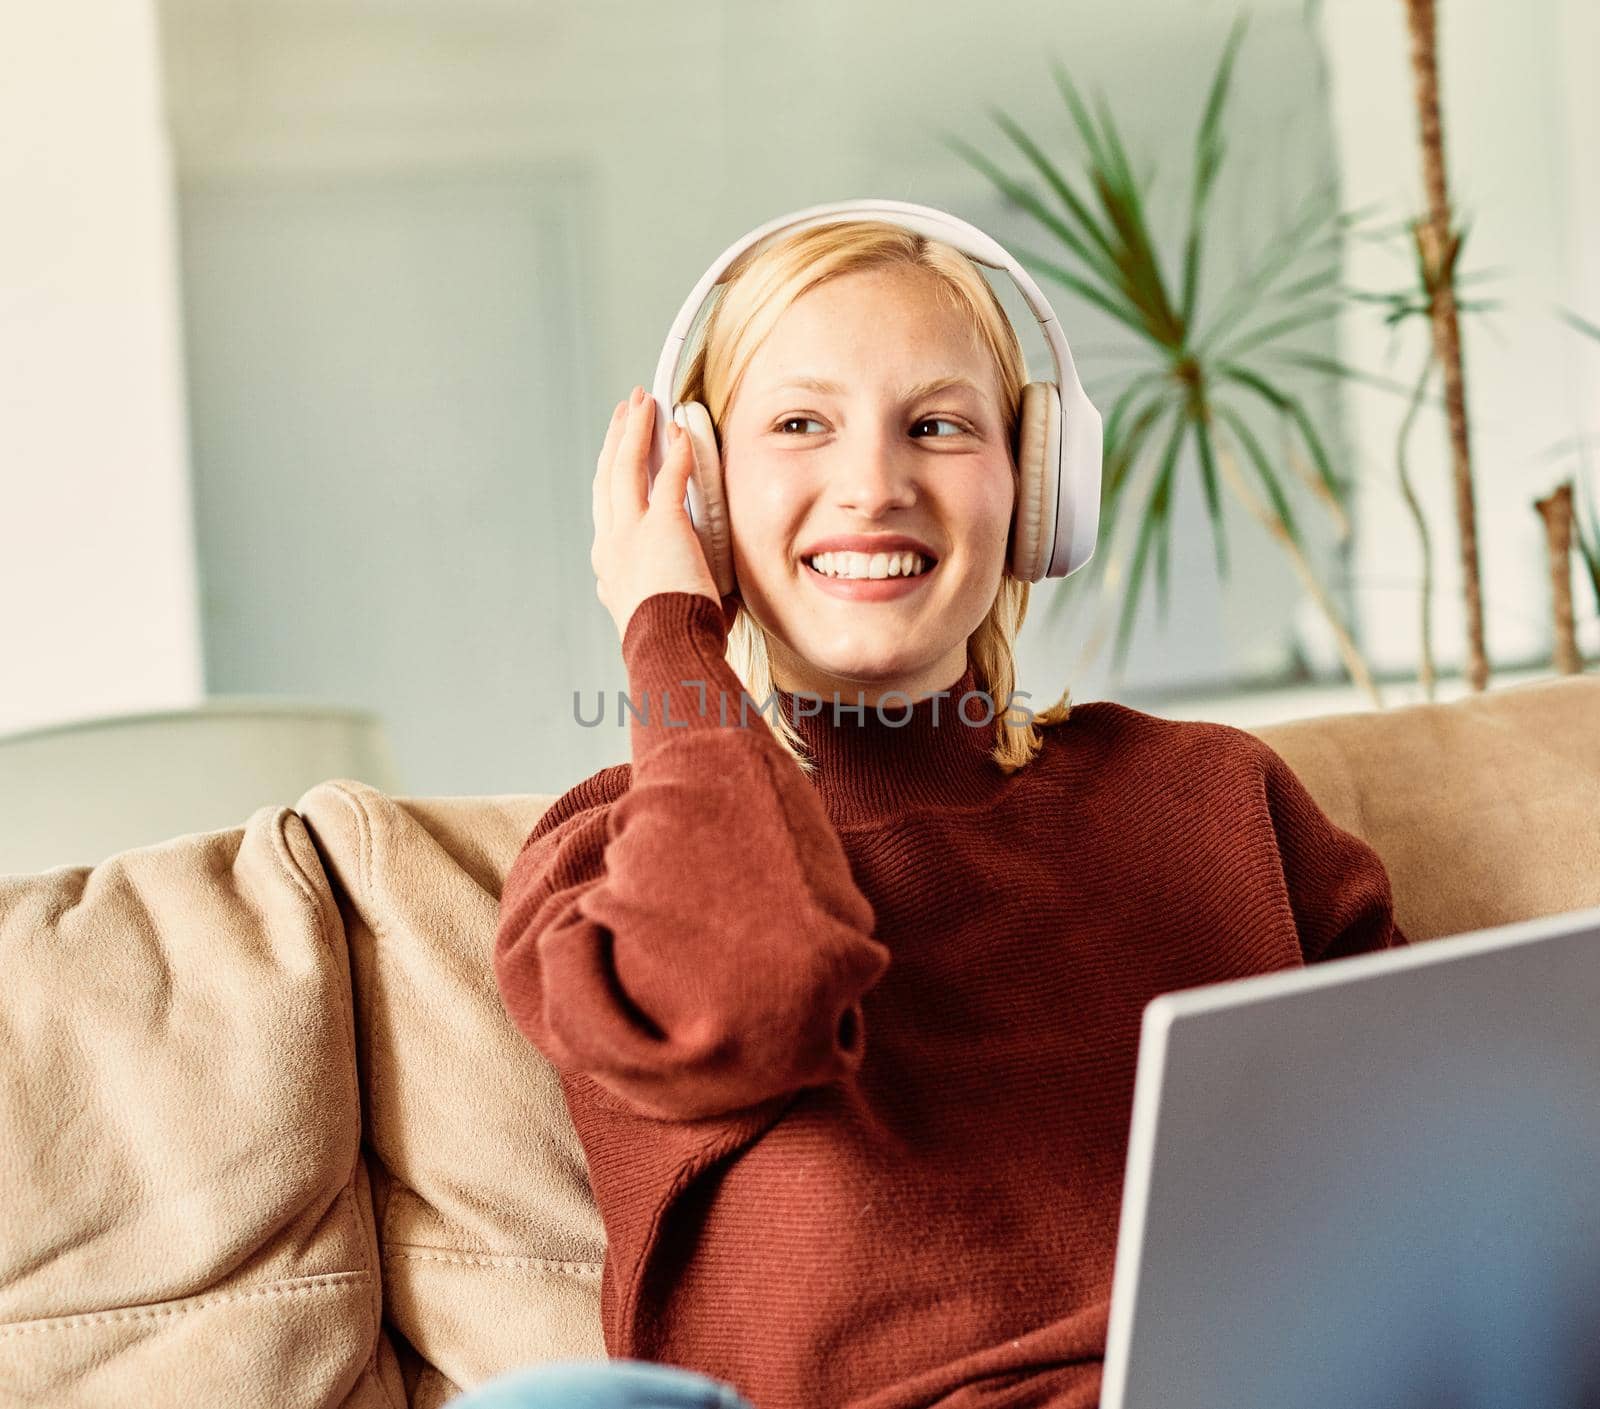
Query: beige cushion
(185, 1215)
(1484, 810)
(491, 1242)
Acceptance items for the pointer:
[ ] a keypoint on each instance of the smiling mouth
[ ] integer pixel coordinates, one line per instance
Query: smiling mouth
(866, 590)
(870, 567)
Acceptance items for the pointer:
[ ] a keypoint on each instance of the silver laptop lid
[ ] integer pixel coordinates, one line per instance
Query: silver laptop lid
(1371, 1182)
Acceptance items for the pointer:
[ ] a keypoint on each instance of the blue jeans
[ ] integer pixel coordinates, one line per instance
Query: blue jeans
(601, 1384)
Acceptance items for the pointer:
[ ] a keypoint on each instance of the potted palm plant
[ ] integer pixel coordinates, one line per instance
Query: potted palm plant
(1208, 363)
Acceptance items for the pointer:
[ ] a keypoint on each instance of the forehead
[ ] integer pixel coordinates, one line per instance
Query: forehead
(892, 328)
(951, 383)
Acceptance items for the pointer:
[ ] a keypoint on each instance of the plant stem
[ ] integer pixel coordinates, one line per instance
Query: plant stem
(1437, 246)
(1353, 661)
(1425, 671)
(1556, 511)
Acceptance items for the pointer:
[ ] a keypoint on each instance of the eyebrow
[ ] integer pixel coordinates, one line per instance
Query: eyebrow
(911, 393)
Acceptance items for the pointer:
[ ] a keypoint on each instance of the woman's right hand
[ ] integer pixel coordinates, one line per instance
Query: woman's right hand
(644, 542)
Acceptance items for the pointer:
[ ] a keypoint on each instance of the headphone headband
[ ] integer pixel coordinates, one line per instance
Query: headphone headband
(1079, 450)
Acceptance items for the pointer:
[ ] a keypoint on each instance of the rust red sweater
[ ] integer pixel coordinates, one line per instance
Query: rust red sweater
(852, 1057)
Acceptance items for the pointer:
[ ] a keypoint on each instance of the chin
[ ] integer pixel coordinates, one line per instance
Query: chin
(876, 674)
(867, 669)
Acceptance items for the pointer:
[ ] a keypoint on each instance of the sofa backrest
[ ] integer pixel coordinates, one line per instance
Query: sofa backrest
(1485, 810)
(250, 1074)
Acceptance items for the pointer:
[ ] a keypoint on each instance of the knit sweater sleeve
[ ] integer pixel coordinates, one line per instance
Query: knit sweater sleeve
(694, 942)
(1337, 884)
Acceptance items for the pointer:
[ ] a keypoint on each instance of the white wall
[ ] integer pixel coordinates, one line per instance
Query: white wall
(682, 126)
(1521, 129)
(97, 580)
(1579, 48)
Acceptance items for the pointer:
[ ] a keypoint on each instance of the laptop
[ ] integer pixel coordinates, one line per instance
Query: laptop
(1372, 1183)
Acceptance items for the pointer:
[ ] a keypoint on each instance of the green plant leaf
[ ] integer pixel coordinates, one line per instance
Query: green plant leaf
(1118, 169)
(1049, 269)
(1586, 530)
(1209, 149)
(1123, 206)
(1291, 406)
(1120, 465)
(1318, 223)
(1122, 460)
(1588, 543)
(1305, 317)
(1582, 324)
(1111, 434)
(1324, 280)
(1201, 419)
(1121, 472)
(1264, 471)
(1154, 517)
(1016, 192)
(1101, 258)
(1163, 542)
(1080, 117)
(1332, 367)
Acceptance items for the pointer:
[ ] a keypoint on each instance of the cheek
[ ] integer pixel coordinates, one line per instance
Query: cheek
(986, 501)
(762, 506)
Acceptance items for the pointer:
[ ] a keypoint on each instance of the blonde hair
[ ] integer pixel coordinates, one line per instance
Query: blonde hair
(760, 288)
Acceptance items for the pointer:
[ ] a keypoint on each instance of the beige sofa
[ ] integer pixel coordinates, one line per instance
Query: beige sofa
(267, 1139)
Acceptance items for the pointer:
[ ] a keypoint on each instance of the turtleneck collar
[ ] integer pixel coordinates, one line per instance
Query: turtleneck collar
(873, 761)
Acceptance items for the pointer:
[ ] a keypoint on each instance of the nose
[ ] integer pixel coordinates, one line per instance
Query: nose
(873, 476)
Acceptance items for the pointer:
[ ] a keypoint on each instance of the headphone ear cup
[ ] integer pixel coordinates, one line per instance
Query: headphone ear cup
(1038, 480)
(709, 507)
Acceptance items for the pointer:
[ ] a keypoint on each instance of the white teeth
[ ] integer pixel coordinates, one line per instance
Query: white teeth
(869, 565)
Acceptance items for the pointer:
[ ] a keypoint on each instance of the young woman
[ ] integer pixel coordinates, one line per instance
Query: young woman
(846, 1003)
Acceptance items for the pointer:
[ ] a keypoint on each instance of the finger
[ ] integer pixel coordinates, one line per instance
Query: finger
(628, 472)
(602, 470)
(673, 481)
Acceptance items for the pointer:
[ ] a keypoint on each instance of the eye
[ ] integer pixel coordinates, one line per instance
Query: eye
(957, 427)
(790, 420)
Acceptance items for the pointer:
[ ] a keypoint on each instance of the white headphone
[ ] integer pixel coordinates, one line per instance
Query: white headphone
(1057, 514)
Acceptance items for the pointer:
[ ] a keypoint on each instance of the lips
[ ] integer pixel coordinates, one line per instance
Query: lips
(869, 543)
